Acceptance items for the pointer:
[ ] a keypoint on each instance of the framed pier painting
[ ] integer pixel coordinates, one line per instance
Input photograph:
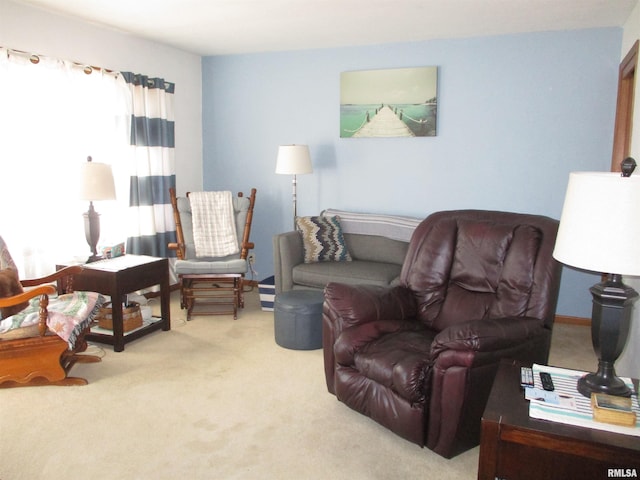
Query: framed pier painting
(397, 102)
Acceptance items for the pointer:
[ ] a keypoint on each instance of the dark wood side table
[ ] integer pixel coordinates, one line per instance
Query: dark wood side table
(121, 275)
(515, 446)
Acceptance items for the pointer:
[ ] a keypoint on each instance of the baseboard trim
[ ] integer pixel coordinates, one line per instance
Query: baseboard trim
(566, 319)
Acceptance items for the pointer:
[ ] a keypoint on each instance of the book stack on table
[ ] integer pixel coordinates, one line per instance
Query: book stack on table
(612, 409)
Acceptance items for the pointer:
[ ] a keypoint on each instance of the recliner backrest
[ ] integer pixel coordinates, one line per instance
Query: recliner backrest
(241, 207)
(473, 264)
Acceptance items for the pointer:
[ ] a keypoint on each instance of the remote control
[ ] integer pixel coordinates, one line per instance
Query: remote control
(547, 383)
(526, 377)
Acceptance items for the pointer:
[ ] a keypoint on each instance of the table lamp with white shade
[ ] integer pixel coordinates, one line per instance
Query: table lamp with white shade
(96, 184)
(600, 232)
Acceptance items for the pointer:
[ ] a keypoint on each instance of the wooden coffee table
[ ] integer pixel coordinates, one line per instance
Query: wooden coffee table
(121, 275)
(515, 446)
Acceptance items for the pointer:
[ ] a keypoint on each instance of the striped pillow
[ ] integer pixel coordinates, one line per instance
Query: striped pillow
(322, 239)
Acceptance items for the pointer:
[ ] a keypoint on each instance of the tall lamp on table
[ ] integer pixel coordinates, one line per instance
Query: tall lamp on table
(96, 184)
(600, 231)
(294, 160)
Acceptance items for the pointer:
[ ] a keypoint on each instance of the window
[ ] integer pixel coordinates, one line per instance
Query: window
(53, 114)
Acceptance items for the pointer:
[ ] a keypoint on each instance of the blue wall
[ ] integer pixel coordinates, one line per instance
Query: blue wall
(516, 114)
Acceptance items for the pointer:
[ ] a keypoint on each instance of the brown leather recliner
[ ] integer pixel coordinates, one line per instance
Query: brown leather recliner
(420, 358)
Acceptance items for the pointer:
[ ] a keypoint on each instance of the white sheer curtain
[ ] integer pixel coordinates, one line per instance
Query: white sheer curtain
(53, 114)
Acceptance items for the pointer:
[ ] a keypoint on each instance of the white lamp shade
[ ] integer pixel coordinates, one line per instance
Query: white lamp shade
(600, 223)
(96, 182)
(293, 160)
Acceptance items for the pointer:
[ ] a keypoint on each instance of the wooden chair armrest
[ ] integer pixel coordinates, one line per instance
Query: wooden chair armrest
(63, 272)
(28, 295)
(179, 249)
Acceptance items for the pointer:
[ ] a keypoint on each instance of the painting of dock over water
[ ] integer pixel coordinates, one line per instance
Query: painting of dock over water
(398, 102)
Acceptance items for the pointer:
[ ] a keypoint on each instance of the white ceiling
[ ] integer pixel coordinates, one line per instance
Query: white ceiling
(218, 27)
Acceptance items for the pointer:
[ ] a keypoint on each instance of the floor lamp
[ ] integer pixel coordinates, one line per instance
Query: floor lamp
(294, 160)
(96, 183)
(600, 231)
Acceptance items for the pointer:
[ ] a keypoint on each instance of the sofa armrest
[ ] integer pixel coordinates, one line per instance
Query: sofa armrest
(287, 253)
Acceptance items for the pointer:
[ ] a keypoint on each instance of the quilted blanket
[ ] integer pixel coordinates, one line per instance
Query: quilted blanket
(69, 315)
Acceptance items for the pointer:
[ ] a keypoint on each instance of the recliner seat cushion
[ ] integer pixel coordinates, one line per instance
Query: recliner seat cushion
(397, 360)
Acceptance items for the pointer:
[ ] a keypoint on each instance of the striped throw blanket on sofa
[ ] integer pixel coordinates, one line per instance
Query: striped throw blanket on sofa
(396, 227)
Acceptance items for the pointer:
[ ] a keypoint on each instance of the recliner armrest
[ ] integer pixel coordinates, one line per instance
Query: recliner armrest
(488, 335)
(464, 360)
(348, 305)
(355, 304)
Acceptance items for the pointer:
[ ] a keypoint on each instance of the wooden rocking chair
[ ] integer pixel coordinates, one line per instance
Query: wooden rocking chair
(214, 283)
(34, 355)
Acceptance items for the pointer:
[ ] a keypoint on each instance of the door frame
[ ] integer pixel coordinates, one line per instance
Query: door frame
(624, 108)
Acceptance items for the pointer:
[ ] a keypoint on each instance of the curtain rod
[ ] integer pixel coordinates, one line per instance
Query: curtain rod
(35, 59)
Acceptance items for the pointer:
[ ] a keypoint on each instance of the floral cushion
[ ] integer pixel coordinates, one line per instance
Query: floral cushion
(69, 316)
(322, 239)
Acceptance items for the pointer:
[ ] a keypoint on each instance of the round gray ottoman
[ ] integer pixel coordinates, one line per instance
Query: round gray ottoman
(298, 319)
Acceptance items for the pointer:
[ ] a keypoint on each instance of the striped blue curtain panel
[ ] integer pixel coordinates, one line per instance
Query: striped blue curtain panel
(153, 142)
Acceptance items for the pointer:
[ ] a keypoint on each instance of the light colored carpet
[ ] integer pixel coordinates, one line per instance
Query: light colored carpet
(216, 398)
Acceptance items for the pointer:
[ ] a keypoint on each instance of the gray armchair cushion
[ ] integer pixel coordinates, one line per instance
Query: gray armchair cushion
(355, 272)
(373, 248)
(203, 267)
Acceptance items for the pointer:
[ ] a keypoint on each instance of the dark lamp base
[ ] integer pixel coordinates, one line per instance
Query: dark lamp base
(92, 232)
(594, 383)
(610, 320)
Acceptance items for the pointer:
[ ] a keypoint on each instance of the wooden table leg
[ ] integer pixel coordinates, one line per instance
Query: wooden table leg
(488, 460)
(165, 302)
(118, 326)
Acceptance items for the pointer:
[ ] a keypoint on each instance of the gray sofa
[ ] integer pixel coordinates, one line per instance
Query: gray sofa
(377, 243)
